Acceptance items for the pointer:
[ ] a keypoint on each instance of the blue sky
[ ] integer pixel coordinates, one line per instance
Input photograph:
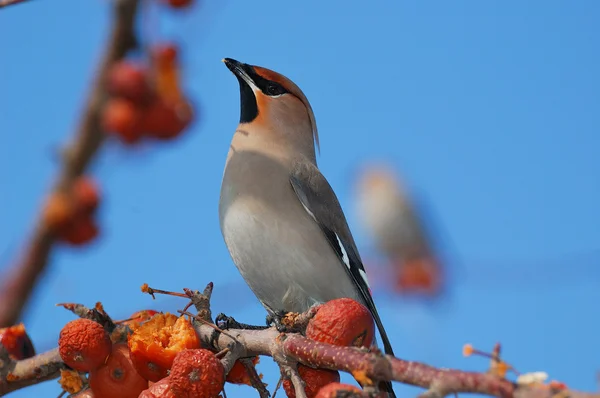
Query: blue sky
(489, 110)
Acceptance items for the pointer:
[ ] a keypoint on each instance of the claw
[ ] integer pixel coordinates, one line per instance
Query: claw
(225, 322)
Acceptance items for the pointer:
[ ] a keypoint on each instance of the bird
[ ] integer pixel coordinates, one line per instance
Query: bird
(280, 219)
(388, 213)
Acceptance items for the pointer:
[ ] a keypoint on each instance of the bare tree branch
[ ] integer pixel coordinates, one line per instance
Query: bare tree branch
(20, 374)
(16, 286)
(289, 349)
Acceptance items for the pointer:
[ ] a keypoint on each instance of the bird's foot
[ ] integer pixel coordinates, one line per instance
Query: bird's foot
(281, 323)
(225, 322)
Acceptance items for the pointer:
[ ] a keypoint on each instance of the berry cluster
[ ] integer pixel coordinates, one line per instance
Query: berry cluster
(69, 214)
(146, 99)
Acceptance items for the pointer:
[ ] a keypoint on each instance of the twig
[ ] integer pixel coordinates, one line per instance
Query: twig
(278, 386)
(92, 314)
(18, 283)
(201, 301)
(297, 382)
(255, 380)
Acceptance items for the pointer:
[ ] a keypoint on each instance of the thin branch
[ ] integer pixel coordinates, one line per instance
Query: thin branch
(255, 380)
(17, 285)
(297, 382)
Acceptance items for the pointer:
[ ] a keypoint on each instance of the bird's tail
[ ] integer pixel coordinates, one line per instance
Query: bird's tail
(387, 347)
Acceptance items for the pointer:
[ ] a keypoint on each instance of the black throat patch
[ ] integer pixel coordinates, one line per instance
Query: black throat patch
(248, 105)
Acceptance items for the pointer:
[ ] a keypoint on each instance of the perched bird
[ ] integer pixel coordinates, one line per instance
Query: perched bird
(388, 212)
(282, 223)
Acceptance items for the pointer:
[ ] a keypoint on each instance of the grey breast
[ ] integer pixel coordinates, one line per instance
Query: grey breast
(278, 248)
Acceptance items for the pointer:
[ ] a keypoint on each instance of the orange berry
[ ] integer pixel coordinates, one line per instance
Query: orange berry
(129, 81)
(166, 120)
(58, 211)
(314, 380)
(84, 344)
(17, 342)
(156, 342)
(334, 390)
(197, 373)
(86, 193)
(118, 377)
(160, 389)
(166, 72)
(80, 231)
(467, 350)
(342, 322)
(238, 373)
(122, 117)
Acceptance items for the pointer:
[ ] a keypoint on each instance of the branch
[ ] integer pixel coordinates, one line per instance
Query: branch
(369, 368)
(17, 285)
(26, 372)
(255, 380)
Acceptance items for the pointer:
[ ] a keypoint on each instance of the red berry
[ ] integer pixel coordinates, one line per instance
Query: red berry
(343, 322)
(166, 120)
(197, 373)
(129, 81)
(122, 117)
(314, 379)
(84, 344)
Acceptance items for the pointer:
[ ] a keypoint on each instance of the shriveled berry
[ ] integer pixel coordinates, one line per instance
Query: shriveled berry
(197, 374)
(84, 344)
(342, 322)
(314, 380)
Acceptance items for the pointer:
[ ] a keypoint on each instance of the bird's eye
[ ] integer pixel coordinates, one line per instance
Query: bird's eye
(274, 89)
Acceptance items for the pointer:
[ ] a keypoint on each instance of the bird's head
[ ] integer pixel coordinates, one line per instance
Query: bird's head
(273, 102)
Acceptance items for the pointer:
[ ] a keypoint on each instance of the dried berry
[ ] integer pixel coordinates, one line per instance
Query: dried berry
(342, 322)
(84, 344)
(197, 374)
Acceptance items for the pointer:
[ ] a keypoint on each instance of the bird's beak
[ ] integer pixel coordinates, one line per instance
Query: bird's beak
(242, 71)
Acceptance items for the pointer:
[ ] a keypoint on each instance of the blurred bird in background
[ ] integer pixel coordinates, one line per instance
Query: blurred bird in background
(392, 219)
